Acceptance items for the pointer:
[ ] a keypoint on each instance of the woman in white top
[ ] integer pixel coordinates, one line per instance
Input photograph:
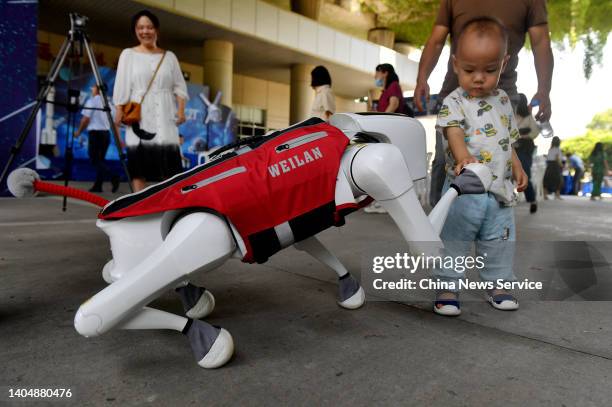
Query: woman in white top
(525, 122)
(324, 104)
(162, 109)
(525, 147)
(554, 165)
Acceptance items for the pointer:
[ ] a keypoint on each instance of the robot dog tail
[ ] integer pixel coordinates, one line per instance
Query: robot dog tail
(25, 182)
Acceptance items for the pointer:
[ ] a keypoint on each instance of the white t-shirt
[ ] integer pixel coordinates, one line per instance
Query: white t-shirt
(554, 154)
(97, 118)
(324, 101)
(490, 130)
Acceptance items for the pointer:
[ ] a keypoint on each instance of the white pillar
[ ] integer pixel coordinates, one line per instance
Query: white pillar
(219, 69)
(301, 94)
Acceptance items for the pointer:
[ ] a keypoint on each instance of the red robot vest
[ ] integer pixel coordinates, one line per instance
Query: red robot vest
(275, 190)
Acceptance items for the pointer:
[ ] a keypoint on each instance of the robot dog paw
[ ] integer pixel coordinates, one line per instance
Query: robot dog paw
(198, 302)
(106, 271)
(212, 346)
(475, 178)
(350, 293)
(21, 182)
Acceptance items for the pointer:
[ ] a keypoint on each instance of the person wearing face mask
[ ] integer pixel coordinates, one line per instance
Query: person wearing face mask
(392, 99)
(151, 76)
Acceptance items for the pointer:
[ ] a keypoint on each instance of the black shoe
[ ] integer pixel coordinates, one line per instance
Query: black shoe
(95, 188)
(533, 208)
(115, 184)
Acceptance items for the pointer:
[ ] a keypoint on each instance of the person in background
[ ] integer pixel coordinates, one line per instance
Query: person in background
(392, 98)
(520, 18)
(599, 168)
(184, 160)
(98, 129)
(324, 103)
(152, 146)
(554, 168)
(575, 162)
(525, 147)
(524, 120)
(391, 101)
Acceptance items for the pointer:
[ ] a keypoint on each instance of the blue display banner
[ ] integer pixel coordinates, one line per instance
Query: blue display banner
(18, 44)
(200, 132)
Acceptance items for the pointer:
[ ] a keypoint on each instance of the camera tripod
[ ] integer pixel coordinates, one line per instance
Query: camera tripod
(76, 40)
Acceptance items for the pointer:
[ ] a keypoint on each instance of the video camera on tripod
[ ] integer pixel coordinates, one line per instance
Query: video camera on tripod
(76, 41)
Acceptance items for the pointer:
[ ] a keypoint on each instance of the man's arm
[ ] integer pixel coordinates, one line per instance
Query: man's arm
(427, 63)
(82, 126)
(544, 64)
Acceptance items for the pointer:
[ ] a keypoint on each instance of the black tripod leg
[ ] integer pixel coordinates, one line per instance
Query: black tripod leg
(42, 97)
(107, 109)
(68, 159)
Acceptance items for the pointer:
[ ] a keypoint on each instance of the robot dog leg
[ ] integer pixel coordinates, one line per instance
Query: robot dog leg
(134, 238)
(380, 171)
(350, 293)
(197, 242)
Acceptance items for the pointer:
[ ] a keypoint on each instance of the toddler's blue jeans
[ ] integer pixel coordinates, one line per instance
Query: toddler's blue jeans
(481, 220)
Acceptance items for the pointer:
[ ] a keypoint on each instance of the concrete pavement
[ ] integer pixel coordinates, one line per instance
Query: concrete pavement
(295, 346)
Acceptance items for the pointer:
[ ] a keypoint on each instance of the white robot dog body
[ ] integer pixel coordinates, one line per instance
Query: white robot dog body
(160, 251)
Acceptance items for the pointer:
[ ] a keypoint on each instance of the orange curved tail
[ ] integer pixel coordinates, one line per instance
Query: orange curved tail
(69, 191)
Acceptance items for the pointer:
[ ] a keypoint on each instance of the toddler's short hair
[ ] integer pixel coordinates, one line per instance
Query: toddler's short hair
(485, 27)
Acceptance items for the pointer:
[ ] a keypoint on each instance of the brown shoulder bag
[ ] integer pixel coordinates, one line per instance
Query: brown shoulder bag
(131, 110)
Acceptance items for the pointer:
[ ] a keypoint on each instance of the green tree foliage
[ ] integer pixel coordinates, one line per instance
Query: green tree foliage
(570, 21)
(411, 20)
(581, 21)
(601, 121)
(599, 130)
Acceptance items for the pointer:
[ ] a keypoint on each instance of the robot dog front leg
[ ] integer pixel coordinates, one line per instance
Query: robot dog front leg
(379, 170)
(197, 242)
(350, 293)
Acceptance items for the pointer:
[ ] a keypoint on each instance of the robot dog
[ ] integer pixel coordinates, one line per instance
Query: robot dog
(254, 199)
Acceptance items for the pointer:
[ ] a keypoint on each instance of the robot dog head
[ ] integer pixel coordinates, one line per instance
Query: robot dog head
(475, 178)
(21, 182)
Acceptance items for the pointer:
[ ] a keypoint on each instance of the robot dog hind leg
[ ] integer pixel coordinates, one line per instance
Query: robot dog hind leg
(197, 242)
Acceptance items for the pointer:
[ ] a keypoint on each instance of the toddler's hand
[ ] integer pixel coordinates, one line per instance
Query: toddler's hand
(521, 179)
(464, 162)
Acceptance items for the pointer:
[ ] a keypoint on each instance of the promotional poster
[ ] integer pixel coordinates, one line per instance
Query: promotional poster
(18, 73)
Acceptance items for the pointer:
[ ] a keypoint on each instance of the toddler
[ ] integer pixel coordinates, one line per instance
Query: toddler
(479, 126)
